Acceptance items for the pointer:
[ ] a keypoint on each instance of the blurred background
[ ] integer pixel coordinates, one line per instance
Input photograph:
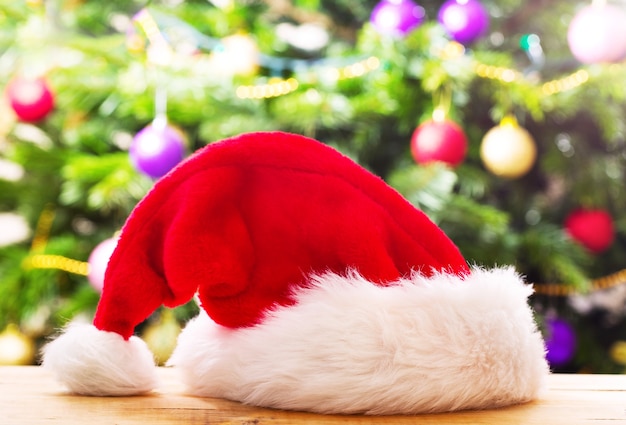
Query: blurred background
(505, 121)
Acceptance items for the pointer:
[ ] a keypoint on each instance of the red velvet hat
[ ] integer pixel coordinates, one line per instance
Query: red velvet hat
(321, 288)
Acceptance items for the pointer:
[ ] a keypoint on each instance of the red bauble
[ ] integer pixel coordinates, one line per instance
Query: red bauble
(593, 228)
(442, 141)
(31, 99)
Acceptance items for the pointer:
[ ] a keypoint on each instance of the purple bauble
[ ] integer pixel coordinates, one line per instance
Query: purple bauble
(560, 342)
(397, 17)
(465, 20)
(155, 150)
(98, 262)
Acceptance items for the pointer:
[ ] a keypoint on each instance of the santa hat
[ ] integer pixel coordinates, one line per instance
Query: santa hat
(321, 288)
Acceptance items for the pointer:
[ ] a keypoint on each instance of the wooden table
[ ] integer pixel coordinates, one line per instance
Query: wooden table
(29, 395)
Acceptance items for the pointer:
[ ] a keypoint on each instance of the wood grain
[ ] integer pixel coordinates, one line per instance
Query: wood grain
(29, 395)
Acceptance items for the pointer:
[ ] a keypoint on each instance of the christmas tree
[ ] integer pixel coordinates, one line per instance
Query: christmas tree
(503, 121)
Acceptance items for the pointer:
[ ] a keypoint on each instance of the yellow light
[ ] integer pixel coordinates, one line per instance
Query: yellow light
(481, 70)
(274, 88)
(508, 75)
(372, 63)
(358, 69)
(453, 50)
(242, 92)
(293, 83)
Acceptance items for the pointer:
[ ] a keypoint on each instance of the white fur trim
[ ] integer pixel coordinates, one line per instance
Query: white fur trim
(93, 362)
(422, 345)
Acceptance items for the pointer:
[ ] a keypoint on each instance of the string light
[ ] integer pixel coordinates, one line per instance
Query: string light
(505, 75)
(508, 75)
(274, 88)
(569, 82)
(278, 87)
(359, 69)
(151, 26)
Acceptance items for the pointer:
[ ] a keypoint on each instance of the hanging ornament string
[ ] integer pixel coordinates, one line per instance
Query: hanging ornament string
(442, 98)
(37, 260)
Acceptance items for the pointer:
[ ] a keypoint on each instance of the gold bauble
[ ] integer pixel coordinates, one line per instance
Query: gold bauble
(618, 352)
(508, 150)
(161, 336)
(16, 349)
(237, 55)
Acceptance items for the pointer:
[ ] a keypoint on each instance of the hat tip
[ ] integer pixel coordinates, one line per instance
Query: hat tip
(90, 361)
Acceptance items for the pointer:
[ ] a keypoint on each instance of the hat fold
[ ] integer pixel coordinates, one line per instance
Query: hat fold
(422, 344)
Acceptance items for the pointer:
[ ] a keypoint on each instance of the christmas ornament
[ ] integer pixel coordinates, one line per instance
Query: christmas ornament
(98, 261)
(592, 228)
(397, 17)
(236, 55)
(156, 149)
(597, 34)
(161, 335)
(31, 99)
(508, 150)
(464, 20)
(531, 45)
(15, 347)
(13, 227)
(296, 253)
(439, 140)
(618, 352)
(306, 37)
(560, 342)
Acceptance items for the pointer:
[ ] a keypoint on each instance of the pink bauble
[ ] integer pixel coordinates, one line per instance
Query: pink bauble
(442, 141)
(598, 34)
(31, 99)
(98, 262)
(592, 228)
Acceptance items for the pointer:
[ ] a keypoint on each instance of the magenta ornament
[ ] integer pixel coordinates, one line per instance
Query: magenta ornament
(31, 99)
(397, 17)
(98, 262)
(597, 34)
(464, 20)
(155, 150)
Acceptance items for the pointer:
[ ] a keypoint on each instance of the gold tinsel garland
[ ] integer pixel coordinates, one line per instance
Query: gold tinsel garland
(563, 290)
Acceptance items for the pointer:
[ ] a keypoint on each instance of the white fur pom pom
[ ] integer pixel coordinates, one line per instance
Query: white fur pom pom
(98, 363)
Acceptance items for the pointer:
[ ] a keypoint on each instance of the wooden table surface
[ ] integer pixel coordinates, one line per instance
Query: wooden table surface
(29, 395)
